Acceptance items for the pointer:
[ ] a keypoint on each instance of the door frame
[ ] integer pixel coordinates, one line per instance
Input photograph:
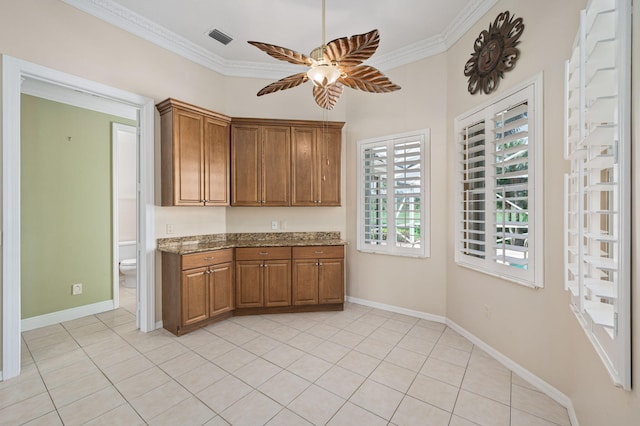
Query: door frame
(14, 72)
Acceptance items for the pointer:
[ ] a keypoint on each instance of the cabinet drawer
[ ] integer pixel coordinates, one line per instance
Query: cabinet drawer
(206, 258)
(318, 252)
(259, 253)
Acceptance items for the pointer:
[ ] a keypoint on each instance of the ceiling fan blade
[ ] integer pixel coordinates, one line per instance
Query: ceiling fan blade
(284, 83)
(368, 79)
(326, 97)
(352, 51)
(282, 53)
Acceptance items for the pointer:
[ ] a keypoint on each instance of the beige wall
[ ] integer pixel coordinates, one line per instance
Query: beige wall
(410, 283)
(534, 328)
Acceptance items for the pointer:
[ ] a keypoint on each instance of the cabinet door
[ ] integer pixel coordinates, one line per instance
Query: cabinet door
(249, 285)
(246, 166)
(329, 154)
(303, 167)
(277, 282)
(188, 162)
(331, 281)
(216, 155)
(220, 289)
(194, 296)
(276, 165)
(305, 282)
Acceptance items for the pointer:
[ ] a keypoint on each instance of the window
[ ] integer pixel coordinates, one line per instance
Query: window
(598, 188)
(499, 191)
(393, 195)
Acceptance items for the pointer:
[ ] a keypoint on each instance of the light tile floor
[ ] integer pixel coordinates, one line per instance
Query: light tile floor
(362, 366)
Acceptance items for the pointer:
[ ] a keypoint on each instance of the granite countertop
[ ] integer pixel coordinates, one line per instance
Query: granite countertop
(200, 243)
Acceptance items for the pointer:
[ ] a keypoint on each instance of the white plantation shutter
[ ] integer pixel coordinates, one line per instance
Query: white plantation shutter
(597, 191)
(498, 229)
(375, 169)
(472, 160)
(511, 165)
(407, 192)
(392, 209)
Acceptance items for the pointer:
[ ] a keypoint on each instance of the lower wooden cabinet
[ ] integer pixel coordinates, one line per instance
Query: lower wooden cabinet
(196, 289)
(318, 275)
(221, 289)
(200, 288)
(263, 277)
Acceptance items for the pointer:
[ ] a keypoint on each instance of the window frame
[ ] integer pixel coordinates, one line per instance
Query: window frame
(423, 137)
(529, 91)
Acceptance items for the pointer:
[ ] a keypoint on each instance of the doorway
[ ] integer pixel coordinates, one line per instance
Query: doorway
(77, 91)
(124, 201)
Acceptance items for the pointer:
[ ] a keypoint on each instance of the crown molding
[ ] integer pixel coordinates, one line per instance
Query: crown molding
(465, 20)
(410, 53)
(462, 23)
(121, 17)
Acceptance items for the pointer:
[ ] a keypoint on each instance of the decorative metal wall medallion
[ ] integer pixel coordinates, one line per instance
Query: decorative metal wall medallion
(494, 53)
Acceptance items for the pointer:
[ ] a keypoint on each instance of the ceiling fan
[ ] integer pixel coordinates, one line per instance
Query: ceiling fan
(331, 67)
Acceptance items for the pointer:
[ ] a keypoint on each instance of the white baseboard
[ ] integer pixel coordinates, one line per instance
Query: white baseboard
(536, 381)
(65, 315)
(543, 386)
(397, 309)
(158, 325)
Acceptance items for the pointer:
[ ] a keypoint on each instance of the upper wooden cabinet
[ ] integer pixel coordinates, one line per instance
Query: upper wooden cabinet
(315, 166)
(285, 162)
(195, 155)
(260, 161)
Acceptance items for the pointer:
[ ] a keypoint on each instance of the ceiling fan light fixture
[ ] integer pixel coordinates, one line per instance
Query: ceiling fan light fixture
(332, 66)
(323, 75)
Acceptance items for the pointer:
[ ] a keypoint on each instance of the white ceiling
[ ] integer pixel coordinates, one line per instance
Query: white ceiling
(409, 29)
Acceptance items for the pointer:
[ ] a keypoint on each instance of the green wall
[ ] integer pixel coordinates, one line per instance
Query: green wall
(66, 205)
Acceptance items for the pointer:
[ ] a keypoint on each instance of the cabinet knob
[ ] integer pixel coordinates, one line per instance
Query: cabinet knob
(264, 253)
(208, 258)
(318, 251)
(320, 264)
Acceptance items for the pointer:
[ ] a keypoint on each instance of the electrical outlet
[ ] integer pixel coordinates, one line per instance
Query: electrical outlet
(169, 228)
(274, 224)
(76, 289)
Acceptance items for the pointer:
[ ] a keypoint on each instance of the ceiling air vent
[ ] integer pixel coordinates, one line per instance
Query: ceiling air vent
(223, 38)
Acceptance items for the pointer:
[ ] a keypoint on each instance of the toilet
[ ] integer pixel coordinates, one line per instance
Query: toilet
(127, 263)
(128, 276)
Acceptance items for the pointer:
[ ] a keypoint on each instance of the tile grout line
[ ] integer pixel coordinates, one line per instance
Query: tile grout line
(43, 383)
(343, 346)
(127, 402)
